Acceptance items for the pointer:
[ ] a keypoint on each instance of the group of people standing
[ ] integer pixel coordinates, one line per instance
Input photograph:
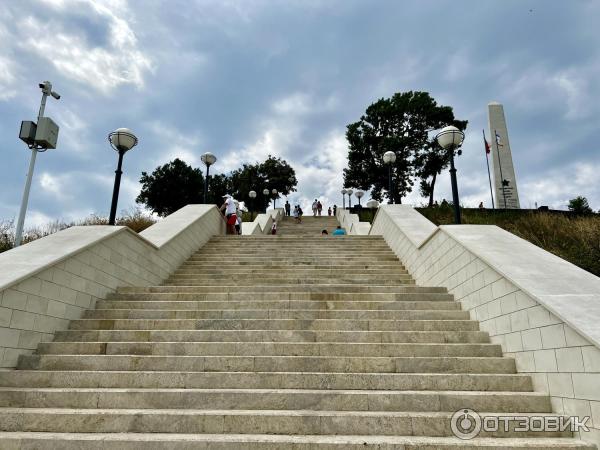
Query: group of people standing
(317, 208)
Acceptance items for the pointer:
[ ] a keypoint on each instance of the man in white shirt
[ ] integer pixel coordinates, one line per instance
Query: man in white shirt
(229, 207)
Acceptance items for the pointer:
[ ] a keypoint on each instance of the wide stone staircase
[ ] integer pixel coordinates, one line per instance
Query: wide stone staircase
(294, 341)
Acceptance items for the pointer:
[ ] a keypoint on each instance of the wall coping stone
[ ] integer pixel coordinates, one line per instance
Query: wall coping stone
(27, 260)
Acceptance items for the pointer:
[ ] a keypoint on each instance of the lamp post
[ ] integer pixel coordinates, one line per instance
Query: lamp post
(389, 158)
(208, 159)
(343, 198)
(48, 133)
(266, 194)
(450, 138)
(349, 192)
(359, 195)
(252, 195)
(274, 191)
(121, 140)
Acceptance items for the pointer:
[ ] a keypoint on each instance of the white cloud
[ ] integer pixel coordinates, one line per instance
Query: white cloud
(99, 68)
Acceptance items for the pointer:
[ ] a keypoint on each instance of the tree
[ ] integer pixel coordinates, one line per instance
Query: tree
(171, 187)
(273, 173)
(402, 124)
(580, 205)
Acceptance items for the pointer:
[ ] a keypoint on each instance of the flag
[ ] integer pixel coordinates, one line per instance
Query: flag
(487, 146)
(498, 143)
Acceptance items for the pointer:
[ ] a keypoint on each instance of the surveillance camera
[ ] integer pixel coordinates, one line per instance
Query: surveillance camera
(56, 95)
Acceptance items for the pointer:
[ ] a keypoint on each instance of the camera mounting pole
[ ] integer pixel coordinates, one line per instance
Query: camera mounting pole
(46, 87)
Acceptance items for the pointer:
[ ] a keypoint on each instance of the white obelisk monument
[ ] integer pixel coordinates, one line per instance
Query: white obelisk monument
(505, 181)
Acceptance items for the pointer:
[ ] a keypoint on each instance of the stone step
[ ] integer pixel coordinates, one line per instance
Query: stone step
(187, 294)
(274, 399)
(277, 305)
(271, 349)
(466, 365)
(268, 380)
(192, 280)
(295, 422)
(271, 336)
(446, 324)
(234, 272)
(168, 441)
(338, 260)
(303, 314)
(318, 288)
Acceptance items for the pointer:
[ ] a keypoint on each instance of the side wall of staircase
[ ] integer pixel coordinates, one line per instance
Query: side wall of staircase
(542, 310)
(51, 281)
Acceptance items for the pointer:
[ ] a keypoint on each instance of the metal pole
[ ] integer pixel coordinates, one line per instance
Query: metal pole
(487, 161)
(251, 210)
(115, 196)
(500, 167)
(343, 201)
(455, 199)
(25, 199)
(206, 184)
(349, 201)
(390, 187)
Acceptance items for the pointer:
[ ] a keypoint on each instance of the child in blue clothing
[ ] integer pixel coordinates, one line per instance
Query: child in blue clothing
(339, 231)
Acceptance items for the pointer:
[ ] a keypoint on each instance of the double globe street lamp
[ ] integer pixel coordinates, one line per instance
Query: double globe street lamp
(121, 140)
(450, 138)
(389, 158)
(208, 159)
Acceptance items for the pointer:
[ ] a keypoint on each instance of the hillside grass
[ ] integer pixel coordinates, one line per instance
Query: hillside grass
(573, 238)
(134, 219)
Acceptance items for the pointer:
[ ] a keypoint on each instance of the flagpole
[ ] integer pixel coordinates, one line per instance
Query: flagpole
(500, 167)
(487, 161)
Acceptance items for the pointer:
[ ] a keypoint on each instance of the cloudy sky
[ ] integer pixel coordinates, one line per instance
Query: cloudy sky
(249, 78)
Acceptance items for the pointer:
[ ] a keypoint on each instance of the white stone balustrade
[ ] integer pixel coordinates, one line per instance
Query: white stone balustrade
(543, 310)
(50, 281)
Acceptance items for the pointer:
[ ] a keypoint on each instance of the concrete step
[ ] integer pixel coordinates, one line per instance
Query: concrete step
(168, 441)
(277, 305)
(466, 365)
(235, 272)
(271, 336)
(267, 380)
(273, 399)
(251, 289)
(445, 324)
(295, 422)
(271, 349)
(188, 294)
(276, 314)
(192, 280)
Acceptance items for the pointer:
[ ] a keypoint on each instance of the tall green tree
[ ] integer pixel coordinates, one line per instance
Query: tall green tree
(580, 205)
(171, 187)
(273, 173)
(403, 124)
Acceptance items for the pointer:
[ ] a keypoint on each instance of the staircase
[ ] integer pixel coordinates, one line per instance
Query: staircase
(294, 341)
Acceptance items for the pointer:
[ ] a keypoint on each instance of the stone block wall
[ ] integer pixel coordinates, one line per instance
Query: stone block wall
(542, 310)
(47, 283)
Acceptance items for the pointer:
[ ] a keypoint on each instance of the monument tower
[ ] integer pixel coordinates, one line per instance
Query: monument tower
(505, 181)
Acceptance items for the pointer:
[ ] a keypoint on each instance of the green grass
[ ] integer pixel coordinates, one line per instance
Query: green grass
(134, 219)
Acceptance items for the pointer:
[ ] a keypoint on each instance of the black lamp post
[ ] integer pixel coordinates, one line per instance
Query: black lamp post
(343, 198)
(451, 138)
(121, 140)
(266, 194)
(389, 158)
(349, 192)
(274, 192)
(208, 159)
(252, 195)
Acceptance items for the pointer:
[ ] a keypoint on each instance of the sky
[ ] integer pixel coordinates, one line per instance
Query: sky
(248, 78)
